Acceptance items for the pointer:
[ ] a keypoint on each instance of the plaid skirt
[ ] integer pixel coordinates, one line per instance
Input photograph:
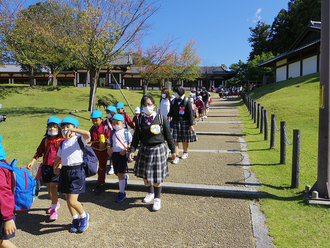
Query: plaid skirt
(181, 132)
(151, 163)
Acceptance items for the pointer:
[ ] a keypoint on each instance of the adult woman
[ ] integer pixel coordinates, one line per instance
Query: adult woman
(151, 163)
(182, 122)
(164, 103)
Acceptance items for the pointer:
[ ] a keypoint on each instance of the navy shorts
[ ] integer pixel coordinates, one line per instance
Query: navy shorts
(3, 235)
(119, 162)
(72, 180)
(48, 175)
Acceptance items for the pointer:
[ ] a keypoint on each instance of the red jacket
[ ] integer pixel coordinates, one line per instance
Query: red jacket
(48, 149)
(199, 104)
(127, 121)
(96, 132)
(7, 200)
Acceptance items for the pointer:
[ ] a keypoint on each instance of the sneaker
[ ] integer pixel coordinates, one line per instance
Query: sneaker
(184, 155)
(149, 197)
(205, 116)
(57, 207)
(195, 122)
(120, 197)
(75, 226)
(53, 215)
(84, 223)
(98, 189)
(156, 205)
(126, 178)
(111, 171)
(176, 160)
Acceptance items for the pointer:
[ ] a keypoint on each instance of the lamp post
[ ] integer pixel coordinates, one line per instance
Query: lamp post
(323, 171)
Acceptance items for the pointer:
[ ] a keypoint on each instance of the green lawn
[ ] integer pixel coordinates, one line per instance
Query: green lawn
(292, 222)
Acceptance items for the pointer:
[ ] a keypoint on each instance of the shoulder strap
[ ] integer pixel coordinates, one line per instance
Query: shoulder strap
(7, 166)
(81, 144)
(120, 141)
(46, 142)
(111, 135)
(185, 101)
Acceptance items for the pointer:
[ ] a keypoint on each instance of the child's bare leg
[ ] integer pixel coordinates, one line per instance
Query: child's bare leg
(49, 191)
(185, 147)
(7, 244)
(176, 148)
(121, 176)
(53, 190)
(146, 183)
(73, 204)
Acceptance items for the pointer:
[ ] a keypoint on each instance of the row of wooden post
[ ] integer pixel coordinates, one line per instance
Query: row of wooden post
(260, 117)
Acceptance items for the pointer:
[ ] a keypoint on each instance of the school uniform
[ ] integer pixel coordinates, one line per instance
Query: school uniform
(101, 154)
(163, 107)
(127, 121)
(151, 162)
(48, 149)
(182, 119)
(7, 201)
(119, 142)
(72, 176)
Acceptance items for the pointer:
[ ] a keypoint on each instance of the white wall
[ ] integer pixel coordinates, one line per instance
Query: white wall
(294, 69)
(281, 73)
(309, 65)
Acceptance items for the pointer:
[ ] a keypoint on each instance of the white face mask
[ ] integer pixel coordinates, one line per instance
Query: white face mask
(52, 133)
(175, 94)
(64, 132)
(148, 110)
(163, 95)
(117, 128)
(109, 115)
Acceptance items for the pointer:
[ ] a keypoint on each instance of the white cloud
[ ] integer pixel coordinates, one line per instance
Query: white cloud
(257, 15)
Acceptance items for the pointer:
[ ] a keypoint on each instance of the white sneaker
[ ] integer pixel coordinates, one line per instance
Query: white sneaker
(184, 155)
(149, 197)
(111, 171)
(205, 116)
(156, 205)
(195, 122)
(176, 160)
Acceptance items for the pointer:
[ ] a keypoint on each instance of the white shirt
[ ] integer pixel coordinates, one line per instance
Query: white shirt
(164, 107)
(70, 152)
(116, 145)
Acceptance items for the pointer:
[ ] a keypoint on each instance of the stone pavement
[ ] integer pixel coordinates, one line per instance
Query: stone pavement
(206, 201)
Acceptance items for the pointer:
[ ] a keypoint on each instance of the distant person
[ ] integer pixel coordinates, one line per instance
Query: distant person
(72, 176)
(206, 98)
(200, 107)
(137, 113)
(7, 203)
(164, 103)
(182, 122)
(48, 148)
(151, 163)
(127, 120)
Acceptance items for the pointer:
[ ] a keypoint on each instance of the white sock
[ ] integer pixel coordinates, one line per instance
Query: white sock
(122, 186)
(83, 215)
(54, 206)
(75, 217)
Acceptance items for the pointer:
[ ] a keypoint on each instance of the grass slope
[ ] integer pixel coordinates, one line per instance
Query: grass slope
(28, 108)
(292, 222)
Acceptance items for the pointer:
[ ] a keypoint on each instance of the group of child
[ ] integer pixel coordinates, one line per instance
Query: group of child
(200, 104)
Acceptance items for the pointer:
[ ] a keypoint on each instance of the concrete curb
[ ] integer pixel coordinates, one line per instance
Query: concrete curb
(221, 133)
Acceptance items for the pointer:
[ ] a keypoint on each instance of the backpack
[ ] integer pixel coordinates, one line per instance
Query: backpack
(23, 186)
(90, 163)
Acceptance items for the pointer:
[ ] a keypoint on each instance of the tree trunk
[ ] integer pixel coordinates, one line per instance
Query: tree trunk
(92, 92)
(145, 88)
(31, 75)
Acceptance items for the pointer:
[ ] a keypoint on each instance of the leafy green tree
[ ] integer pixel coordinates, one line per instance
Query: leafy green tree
(240, 78)
(253, 72)
(259, 39)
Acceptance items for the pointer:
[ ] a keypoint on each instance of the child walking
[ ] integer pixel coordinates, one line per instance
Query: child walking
(7, 204)
(119, 143)
(151, 164)
(48, 148)
(72, 176)
(100, 132)
(200, 106)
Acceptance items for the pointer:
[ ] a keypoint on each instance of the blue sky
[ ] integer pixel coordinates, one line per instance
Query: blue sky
(221, 28)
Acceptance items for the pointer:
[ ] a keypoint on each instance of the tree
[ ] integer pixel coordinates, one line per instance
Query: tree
(184, 66)
(153, 61)
(240, 78)
(253, 72)
(97, 32)
(259, 39)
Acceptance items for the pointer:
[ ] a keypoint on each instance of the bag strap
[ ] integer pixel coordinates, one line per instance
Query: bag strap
(120, 141)
(81, 144)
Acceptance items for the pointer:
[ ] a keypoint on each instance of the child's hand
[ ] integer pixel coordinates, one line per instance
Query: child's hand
(109, 151)
(102, 145)
(173, 156)
(131, 156)
(29, 166)
(57, 170)
(123, 152)
(10, 227)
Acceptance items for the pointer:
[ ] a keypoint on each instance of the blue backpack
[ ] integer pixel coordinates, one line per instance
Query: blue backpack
(23, 186)
(90, 160)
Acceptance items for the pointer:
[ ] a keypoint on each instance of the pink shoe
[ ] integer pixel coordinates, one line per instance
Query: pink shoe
(53, 215)
(57, 207)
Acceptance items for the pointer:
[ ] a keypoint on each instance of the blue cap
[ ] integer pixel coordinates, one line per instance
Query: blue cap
(111, 108)
(54, 119)
(118, 117)
(2, 151)
(96, 114)
(70, 120)
(120, 105)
